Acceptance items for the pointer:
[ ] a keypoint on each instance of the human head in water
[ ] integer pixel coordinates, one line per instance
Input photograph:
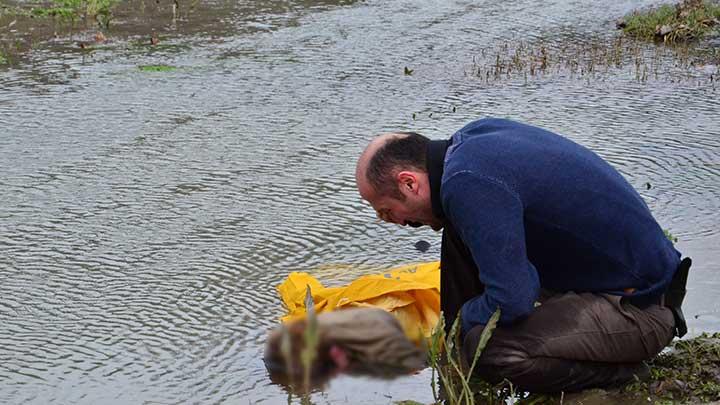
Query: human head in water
(356, 340)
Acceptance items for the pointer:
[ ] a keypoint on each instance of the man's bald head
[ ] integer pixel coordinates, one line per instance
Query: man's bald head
(385, 156)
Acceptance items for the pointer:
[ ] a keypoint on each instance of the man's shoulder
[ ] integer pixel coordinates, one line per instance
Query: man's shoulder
(488, 125)
(486, 145)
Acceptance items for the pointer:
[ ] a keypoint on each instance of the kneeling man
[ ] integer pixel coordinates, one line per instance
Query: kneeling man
(531, 217)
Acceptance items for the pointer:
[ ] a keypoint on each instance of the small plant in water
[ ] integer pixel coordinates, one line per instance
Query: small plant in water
(309, 352)
(455, 376)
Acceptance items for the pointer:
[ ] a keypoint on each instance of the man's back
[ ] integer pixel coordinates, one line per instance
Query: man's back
(584, 228)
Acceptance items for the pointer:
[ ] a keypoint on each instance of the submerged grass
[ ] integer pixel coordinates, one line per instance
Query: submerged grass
(688, 20)
(597, 60)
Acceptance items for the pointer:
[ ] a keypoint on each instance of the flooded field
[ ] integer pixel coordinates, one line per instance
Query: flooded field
(147, 215)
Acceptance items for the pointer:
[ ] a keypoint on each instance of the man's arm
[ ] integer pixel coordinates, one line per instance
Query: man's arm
(488, 215)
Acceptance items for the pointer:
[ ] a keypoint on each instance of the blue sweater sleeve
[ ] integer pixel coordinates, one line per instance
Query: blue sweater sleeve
(488, 215)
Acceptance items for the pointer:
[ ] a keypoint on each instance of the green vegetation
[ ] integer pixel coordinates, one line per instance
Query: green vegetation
(690, 373)
(687, 374)
(157, 68)
(311, 341)
(670, 236)
(688, 20)
(3, 59)
(311, 337)
(100, 10)
(458, 385)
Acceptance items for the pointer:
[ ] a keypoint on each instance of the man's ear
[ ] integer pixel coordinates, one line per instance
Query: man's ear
(408, 182)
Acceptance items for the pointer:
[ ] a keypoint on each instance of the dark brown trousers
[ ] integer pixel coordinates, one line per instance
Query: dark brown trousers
(572, 342)
(569, 343)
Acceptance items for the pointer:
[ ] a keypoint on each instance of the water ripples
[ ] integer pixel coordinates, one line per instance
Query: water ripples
(148, 218)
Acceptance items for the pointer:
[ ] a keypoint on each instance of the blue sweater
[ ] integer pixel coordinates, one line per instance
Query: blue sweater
(538, 210)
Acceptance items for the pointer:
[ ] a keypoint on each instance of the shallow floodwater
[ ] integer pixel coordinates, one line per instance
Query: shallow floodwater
(146, 217)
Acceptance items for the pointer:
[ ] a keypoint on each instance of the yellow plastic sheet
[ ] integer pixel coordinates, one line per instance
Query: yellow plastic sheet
(411, 293)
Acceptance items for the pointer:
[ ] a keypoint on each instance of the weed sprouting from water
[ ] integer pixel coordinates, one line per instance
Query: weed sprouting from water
(455, 376)
(310, 351)
(308, 348)
(597, 60)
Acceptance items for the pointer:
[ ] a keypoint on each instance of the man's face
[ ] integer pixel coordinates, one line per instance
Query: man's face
(414, 210)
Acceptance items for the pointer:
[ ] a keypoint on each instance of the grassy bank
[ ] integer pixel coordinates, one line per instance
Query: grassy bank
(68, 26)
(91, 13)
(690, 373)
(686, 21)
(25, 26)
(100, 11)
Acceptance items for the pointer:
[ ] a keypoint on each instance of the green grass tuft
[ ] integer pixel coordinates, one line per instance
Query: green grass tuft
(686, 21)
(311, 338)
(672, 238)
(455, 377)
(690, 372)
(100, 10)
(643, 24)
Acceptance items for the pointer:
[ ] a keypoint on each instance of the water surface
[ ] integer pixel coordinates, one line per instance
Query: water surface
(147, 217)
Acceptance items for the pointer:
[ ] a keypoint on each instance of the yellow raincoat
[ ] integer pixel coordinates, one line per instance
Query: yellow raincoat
(411, 293)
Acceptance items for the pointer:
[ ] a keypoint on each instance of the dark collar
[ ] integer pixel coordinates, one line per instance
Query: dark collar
(435, 161)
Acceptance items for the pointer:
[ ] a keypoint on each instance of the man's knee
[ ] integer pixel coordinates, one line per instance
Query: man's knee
(503, 358)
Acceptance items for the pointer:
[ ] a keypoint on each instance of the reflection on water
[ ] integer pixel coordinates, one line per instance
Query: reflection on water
(146, 217)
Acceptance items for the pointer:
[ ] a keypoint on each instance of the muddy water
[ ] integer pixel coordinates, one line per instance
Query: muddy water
(146, 217)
